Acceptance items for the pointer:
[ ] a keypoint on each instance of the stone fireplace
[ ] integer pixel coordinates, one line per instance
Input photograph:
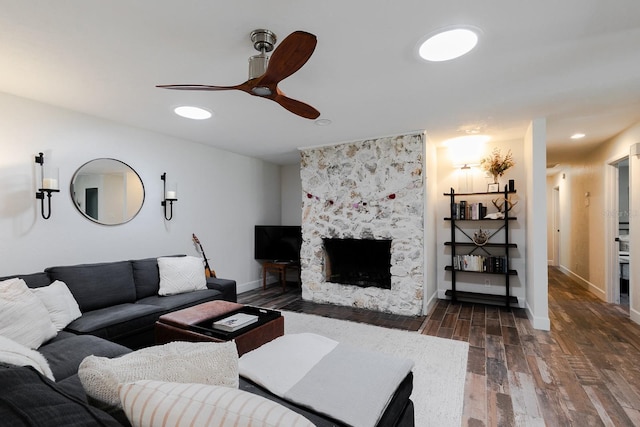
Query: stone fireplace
(368, 198)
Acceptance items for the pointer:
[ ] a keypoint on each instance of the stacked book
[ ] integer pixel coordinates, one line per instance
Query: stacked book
(464, 210)
(234, 322)
(485, 264)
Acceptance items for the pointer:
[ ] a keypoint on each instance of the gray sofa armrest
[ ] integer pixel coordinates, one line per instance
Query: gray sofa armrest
(225, 286)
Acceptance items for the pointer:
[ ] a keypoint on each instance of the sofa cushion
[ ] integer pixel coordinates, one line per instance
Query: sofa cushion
(23, 317)
(37, 401)
(147, 276)
(17, 354)
(149, 403)
(180, 301)
(207, 363)
(181, 274)
(65, 353)
(60, 303)
(97, 286)
(116, 321)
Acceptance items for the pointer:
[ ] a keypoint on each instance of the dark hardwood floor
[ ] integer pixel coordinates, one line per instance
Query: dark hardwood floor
(584, 372)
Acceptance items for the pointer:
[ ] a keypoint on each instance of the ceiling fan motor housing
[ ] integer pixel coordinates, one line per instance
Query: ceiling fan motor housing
(263, 41)
(258, 65)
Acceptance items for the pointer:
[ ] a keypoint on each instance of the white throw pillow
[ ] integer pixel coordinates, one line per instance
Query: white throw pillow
(154, 403)
(183, 362)
(23, 317)
(19, 355)
(60, 303)
(181, 274)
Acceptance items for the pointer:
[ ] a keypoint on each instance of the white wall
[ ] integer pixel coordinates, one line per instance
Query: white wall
(221, 195)
(291, 194)
(535, 160)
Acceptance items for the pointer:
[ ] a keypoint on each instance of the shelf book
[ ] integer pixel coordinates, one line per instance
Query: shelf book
(234, 322)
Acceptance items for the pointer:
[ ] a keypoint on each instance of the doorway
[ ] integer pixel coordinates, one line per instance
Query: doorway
(91, 202)
(556, 227)
(617, 227)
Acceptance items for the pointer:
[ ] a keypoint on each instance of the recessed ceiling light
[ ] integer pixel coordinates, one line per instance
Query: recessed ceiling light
(195, 113)
(578, 136)
(448, 43)
(323, 122)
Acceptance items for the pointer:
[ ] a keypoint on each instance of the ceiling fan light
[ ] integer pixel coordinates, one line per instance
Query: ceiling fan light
(194, 113)
(448, 44)
(261, 91)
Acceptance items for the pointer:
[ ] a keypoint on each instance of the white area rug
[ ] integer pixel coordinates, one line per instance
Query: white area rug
(440, 364)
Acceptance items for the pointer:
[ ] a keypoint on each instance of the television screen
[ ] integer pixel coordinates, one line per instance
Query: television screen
(278, 242)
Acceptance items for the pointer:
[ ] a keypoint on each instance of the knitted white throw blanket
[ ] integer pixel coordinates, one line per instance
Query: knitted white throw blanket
(181, 362)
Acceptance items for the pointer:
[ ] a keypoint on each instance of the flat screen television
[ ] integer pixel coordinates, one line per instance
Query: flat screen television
(278, 242)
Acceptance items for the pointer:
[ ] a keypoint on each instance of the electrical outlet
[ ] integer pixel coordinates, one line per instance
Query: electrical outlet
(487, 282)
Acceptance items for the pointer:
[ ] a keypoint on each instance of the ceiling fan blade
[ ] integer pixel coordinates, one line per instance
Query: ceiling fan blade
(288, 57)
(296, 107)
(202, 87)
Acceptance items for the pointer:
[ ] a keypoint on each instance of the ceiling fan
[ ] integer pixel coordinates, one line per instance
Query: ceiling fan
(265, 74)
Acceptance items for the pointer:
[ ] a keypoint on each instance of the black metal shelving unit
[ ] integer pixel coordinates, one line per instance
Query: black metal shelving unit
(490, 248)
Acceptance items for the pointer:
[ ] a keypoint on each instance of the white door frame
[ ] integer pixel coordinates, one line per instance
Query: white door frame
(556, 226)
(612, 266)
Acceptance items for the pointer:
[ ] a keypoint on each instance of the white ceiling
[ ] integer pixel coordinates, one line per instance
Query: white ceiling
(575, 62)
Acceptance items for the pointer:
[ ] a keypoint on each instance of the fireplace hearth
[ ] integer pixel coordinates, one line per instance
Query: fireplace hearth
(359, 262)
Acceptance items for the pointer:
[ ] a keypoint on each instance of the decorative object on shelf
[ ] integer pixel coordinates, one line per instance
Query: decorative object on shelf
(169, 195)
(481, 237)
(504, 204)
(49, 183)
(495, 215)
(496, 165)
(493, 187)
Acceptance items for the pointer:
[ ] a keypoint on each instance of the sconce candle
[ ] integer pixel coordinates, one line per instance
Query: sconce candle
(49, 184)
(170, 196)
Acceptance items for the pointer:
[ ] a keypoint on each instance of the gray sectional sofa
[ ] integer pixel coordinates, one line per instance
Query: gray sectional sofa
(119, 300)
(120, 304)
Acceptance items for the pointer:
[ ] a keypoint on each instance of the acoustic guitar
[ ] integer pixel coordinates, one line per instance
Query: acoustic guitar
(208, 271)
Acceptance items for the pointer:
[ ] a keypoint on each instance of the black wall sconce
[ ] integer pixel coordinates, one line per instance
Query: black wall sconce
(169, 196)
(49, 183)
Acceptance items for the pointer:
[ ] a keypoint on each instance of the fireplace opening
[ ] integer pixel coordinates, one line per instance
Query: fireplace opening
(360, 262)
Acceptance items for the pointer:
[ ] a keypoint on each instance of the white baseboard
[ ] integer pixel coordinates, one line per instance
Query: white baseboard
(541, 323)
(430, 303)
(634, 315)
(249, 286)
(584, 282)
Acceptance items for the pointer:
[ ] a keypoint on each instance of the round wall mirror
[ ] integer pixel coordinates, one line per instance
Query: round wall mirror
(107, 191)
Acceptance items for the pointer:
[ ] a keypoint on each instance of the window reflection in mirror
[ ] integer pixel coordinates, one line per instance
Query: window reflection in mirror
(107, 191)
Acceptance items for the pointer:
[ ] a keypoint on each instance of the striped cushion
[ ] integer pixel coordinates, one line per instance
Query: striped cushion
(156, 403)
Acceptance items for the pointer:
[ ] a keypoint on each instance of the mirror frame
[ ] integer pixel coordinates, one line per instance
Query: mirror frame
(124, 166)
